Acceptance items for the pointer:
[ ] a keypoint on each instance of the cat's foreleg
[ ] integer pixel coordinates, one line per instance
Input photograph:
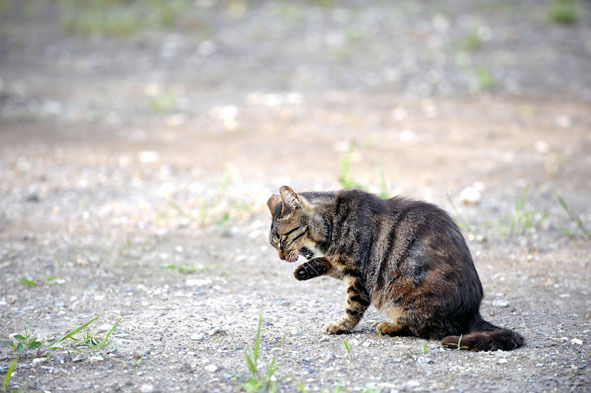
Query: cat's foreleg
(357, 302)
(313, 268)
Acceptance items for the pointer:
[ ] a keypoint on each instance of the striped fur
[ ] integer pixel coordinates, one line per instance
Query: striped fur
(407, 258)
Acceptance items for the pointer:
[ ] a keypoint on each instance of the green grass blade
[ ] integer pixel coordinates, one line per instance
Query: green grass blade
(49, 279)
(272, 368)
(573, 216)
(302, 388)
(257, 343)
(384, 193)
(462, 222)
(104, 342)
(251, 364)
(70, 334)
(521, 201)
(346, 344)
(9, 373)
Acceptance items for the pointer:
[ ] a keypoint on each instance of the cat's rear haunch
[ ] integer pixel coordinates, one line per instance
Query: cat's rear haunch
(405, 257)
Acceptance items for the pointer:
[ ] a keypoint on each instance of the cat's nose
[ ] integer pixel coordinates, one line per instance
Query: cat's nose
(281, 255)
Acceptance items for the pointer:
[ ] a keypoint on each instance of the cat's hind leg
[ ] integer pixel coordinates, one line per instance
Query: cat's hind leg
(397, 326)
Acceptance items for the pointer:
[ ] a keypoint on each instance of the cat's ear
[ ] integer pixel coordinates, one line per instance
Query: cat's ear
(273, 202)
(290, 198)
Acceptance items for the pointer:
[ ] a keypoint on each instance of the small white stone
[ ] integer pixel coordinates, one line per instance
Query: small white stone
(146, 388)
(502, 361)
(197, 337)
(470, 196)
(479, 186)
(542, 147)
(149, 156)
(563, 121)
(212, 368)
(576, 341)
(96, 359)
(413, 383)
(500, 303)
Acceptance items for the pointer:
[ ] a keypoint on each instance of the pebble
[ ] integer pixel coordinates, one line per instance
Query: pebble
(212, 368)
(563, 121)
(197, 337)
(576, 341)
(424, 360)
(413, 383)
(470, 196)
(146, 157)
(146, 388)
(217, 332)
(502, 361)
(57, 357)
(500, 303)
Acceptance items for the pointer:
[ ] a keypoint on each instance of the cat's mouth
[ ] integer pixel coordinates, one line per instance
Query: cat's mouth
(292, 258)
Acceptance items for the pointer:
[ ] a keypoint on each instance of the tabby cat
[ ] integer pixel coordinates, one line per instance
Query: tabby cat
(407, 258)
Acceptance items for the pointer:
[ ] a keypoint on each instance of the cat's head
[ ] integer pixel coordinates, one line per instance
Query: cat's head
(293, 225)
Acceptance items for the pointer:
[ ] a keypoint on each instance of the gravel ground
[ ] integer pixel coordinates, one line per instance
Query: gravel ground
(134, 172)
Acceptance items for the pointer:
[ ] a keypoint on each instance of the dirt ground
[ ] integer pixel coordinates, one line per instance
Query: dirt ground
(135, 167)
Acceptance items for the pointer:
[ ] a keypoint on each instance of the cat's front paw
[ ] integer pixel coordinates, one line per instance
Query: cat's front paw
(308, 270)
(301, 273)
(335, 328)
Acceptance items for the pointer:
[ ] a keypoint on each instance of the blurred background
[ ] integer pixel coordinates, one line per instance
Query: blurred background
(198, 110)
(140, 140)
(280, 90)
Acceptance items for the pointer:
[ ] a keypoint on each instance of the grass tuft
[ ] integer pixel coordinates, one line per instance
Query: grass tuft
(96, 343)
(574, 217)
(462, 221)
(164, 103)
(483, 79)
(345, 176)
(28, 282)
(473, 42)
(22, 344)
(348, 183)
(564, 12)
(260, 380)
(56, 344)
(100, 18)
(522, 220)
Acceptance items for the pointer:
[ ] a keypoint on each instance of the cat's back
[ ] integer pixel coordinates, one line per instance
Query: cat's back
(359, 204)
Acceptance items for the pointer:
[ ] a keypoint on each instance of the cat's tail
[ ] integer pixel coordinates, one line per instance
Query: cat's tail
(485, 337)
